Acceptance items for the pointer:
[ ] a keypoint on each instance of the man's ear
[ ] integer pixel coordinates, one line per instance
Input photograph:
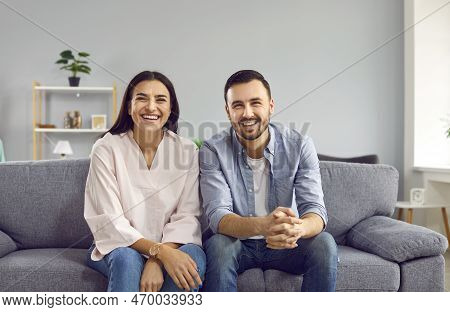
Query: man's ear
(227, 110)
(271, 106)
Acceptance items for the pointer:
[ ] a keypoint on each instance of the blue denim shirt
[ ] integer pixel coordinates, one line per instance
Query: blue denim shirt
(226, 180)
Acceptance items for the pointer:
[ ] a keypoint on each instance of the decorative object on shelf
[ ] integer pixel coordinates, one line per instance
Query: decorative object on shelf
(98, 121)
(45, 126)
(76, 120)
(63, 148)
(67, 120)
(417, 196)
(74, 65)
(40, 101)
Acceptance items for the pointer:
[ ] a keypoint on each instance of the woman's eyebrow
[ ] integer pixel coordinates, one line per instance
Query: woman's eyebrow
(141, 94)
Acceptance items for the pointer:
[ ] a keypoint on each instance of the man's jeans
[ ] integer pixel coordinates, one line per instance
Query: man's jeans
(123, 267)
(315, 258)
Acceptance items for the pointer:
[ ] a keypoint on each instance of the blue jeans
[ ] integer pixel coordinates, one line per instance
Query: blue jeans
(227, 257)
(123, 267)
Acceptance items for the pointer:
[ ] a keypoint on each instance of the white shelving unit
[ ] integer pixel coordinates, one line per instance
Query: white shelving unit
(38, 93)
(61, 130)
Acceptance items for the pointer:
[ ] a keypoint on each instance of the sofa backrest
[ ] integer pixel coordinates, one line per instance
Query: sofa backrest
(42, 202)
(354, 192)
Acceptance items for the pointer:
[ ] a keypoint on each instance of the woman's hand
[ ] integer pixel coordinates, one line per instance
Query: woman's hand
(181, 268)
(152, 277)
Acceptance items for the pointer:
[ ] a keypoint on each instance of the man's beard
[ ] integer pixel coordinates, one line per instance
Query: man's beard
(251, 137)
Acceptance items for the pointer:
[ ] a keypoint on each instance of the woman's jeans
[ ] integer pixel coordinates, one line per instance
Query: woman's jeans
(123, 267)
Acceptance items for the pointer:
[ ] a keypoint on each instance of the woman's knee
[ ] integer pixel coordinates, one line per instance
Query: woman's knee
(124, 257)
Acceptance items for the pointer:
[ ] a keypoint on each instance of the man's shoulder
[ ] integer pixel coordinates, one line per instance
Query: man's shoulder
(219, 141)
(288, 135)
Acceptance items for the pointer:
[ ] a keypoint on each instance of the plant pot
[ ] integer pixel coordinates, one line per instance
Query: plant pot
(74, 81)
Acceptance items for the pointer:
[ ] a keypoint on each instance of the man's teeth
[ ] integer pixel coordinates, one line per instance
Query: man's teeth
(249, 123)
(150, 117)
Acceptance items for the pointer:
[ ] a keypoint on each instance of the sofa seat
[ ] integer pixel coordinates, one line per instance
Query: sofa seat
(59, 269)
(357, 271)
(52, 269)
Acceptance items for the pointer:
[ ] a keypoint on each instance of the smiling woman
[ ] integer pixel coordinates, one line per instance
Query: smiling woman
(142, 195)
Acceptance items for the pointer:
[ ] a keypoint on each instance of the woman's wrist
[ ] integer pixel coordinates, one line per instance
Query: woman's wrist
(163, 250)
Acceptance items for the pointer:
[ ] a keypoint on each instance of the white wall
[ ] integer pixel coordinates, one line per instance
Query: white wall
(297, 45)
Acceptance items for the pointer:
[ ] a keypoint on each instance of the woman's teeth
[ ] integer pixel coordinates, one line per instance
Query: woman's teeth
(150, 117)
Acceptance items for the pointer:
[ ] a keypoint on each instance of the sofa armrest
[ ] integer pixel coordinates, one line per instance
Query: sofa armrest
(395, 240)
(7, 245)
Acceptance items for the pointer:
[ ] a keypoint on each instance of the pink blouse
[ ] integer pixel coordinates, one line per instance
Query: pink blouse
(125, 201)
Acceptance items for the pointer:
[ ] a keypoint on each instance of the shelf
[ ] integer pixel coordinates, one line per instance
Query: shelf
(74, 89)
(61, 130)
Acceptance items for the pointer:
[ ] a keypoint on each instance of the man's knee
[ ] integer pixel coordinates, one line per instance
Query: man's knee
(197, 254)
(324, 248)
(222, 248)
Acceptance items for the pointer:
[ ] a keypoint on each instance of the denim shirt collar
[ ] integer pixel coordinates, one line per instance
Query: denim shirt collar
(269, 150)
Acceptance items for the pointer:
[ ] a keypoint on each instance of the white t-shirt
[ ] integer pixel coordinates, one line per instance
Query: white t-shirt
(260, 170)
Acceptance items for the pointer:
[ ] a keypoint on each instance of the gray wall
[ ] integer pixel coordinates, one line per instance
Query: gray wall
(297, 45)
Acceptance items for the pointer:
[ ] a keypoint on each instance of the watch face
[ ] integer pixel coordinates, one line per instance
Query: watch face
(417, 196)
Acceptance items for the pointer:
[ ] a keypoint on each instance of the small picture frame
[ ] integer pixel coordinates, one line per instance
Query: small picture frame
(98, 122)
(417, 196)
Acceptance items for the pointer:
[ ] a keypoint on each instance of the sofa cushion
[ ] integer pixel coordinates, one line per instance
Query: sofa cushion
(42, 203)
(251, 280)
(357, 271)
(354, 192)
(56, 269)
(7, 245)
(396, 240)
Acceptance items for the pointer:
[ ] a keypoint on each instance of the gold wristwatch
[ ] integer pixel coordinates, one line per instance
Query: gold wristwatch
(154, 250)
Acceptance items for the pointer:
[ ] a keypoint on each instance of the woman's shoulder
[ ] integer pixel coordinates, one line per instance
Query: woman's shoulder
(108, 143)
(181, 142)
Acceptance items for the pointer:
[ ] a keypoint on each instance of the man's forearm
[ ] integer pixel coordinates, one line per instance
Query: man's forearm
(315, 224)
(241, 227)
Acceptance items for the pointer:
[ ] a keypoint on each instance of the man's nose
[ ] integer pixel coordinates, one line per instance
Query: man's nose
(248, 111)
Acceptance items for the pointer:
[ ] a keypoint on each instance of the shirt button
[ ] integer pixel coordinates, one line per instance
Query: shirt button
(250, 190)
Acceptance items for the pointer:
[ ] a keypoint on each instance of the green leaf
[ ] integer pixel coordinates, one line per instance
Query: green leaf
(83, 71)
(83, 54)
(198, 142)
(82, 62)
(67, 54)
(84, 67)
(62, 61)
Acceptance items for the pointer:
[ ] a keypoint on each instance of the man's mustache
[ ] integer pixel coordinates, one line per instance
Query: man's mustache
(249, 119)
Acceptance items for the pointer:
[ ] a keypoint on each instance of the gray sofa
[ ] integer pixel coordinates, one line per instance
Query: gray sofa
(44, 238)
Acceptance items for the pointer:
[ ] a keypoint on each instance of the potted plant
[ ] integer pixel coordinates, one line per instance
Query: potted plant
(74, 65)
